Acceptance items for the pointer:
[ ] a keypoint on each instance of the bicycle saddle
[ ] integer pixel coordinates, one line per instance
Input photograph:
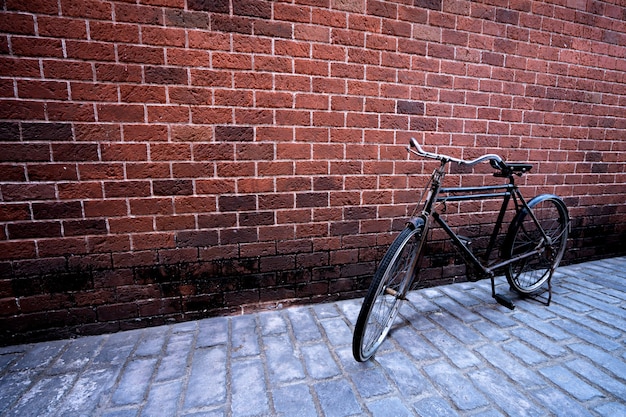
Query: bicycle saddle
(509, 168)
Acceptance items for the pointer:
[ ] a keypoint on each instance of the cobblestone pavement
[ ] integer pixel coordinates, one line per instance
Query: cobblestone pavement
(453, 352)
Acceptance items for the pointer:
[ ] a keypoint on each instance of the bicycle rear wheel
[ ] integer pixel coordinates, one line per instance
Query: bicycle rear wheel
(391, 281)
(527, 275)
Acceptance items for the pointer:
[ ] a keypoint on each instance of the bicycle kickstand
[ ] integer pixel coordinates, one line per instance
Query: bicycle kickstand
(501, 299)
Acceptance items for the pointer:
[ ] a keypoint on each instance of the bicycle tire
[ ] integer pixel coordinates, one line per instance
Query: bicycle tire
(526, 276)
(392, 280)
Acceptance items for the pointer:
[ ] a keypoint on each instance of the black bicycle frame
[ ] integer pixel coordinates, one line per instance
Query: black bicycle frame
(507, 192)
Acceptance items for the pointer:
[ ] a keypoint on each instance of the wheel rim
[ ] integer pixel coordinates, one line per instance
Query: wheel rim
(530, 273)
(387, 302)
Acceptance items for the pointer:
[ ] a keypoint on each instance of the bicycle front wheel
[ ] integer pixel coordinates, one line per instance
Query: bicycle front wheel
(390, 284)
(528, 274)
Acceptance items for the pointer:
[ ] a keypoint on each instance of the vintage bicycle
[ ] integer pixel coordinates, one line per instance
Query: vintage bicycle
(529, 254)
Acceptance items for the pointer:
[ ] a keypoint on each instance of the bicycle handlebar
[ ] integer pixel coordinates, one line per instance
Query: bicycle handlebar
(494, 159)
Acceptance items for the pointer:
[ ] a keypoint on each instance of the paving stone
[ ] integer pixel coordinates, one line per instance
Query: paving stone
(244, 338)
(598, 304)
(546, 328)
(542, 343)
(272, 323)
(570, 383)
(212, 332)
(489, 413)
(304, 324)
(337, 399)
(560, 404)
(499, 317)
(282, 363)
(115, 350)
(163, 399)
(515, 370)
(134, 381)
(76, 355)
(325, 311)
(43, 398)
(609, 319)
(319, 362)
(207, 382)
(350, 309)
(248, 389)
(414, 344)
(450, 306)
(404, 374)
(452, 383)
(39, 355)
(607, 361)
(85, 394)
(13, 385)
(389, 407)
(337, 331)
(411, 317)
(371, 382)
(490, 331)
(526, 354)
(456, 328)
(612, 409)
(420, 303)
(462, 296)
(174, 364)
(588, 335)
(591, 373)
(433, 406)
(294, 400)
(504, 395)
(453, 349)
(126, 412)
(151, 343)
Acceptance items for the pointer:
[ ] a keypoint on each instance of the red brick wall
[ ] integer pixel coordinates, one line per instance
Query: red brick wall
(168, 159)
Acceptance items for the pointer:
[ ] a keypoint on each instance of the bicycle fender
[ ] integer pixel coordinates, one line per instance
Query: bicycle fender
(415, 223)
(519, 217)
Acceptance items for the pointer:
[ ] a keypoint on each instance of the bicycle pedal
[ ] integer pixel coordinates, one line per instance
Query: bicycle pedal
(505, 301)
(394, 293)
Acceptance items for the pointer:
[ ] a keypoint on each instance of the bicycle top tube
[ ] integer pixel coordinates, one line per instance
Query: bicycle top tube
(495, 160)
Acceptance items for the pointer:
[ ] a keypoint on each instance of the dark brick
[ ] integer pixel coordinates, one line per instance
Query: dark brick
(237, 203)
(198, 238)
(117, 312)
(85, 227)
(215, 6)
(57, 210)
(9, 131)
(428, 4)
(411, 107)
(231, 24)
(173, 187)
(13, 173)
(239, 235)
(507, 16)
(256, 219)
(273, 29)
(166, 75)
(47, 131)
(312, 200)
(22, 152)
(192, 20)
(75, 152)
(255, 8)
(234, 134)
(34, 230)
